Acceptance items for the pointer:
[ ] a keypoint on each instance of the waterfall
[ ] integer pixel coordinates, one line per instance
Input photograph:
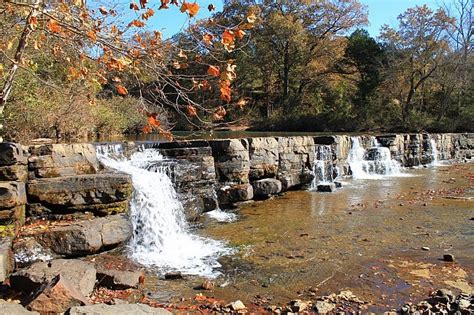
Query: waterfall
(323, 168)
(161, 236)
(373, 163)
(434, 153)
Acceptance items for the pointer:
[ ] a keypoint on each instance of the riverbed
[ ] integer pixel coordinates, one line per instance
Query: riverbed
(382, 239)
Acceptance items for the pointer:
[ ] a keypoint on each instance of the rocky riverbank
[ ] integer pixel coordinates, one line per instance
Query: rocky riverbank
(62, 211)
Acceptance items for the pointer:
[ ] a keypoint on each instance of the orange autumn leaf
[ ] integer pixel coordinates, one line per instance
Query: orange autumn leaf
(207, 38)
(148, 14)
(191, 110)
(92, 35)
(152, 121)
(121, 90)
(136, 23)
(239, 33)
(143, 3)
(228, 37)
(134, 6)
(146, 129)
(214, 71)
(33, 21)
(191, 8)
(53, 26)
(225, 91)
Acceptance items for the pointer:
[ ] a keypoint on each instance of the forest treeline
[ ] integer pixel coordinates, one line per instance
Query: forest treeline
(310, 66)
(302, 66)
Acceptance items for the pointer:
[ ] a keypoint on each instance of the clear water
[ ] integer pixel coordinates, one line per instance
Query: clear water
(161, 235)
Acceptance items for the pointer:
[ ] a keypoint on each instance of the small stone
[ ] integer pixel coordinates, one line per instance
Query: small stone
(448, 257)
(207, 285)
(327, 187)
(426, 248)
(338, 184)
(298, 306)
(173, 275)
(324, 307)
(237, 305)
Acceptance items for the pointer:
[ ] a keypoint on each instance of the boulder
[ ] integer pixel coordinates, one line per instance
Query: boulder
(12, 194)
(119, 279)
(230, 195)
(17, 172)
(27, 251)
(56, 297)
(85, 237)
(264, 188)
(7, 308)
(330, 187)
(119, 309)
(11, 153)
(7, 263)
(263, 153)
(56, 160)
(80, 274)
(103, 194)
(231, 159)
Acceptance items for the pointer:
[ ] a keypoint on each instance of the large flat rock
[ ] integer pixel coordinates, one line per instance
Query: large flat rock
(85, 237)
(80, 274)
(55, 160)
(8, 308)
(98, 193)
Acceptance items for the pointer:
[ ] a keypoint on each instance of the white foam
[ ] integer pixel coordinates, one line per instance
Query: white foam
(222, 216)
(161, 235)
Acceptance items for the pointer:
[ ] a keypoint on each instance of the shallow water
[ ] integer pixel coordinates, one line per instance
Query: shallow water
(366, 237)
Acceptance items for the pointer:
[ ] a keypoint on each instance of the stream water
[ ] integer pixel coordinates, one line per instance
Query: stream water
(358, 238)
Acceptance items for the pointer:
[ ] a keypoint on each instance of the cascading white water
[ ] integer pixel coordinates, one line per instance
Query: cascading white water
(161, 235)
(374, 163)
(434, 153)
(323, 169)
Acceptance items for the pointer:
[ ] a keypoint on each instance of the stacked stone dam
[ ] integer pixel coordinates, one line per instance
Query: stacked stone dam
(58, 182)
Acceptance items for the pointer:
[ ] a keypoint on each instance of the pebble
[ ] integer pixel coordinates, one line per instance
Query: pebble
(237, 305)
(208, 285)
(448, 257)
(425, 248)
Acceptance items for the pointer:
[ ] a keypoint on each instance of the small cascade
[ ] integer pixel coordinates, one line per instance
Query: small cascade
(161, 235)
(324, 170)
(434, 153)
(373, 163)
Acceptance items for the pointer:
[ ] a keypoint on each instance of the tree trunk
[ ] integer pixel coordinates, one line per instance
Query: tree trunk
(22, 43)
(286, 72)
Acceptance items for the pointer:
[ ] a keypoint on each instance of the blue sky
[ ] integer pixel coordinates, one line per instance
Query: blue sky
(381, 12)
